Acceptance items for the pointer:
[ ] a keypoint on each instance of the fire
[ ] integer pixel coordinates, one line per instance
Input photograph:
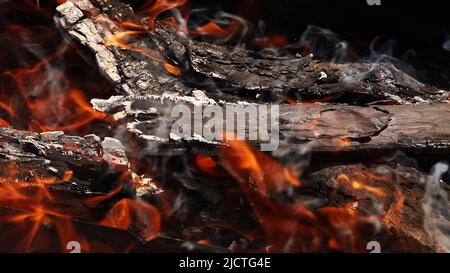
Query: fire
(152, 9)
(358, 185)
(273, 177)
(156, 7)
(8, 108)
(273, 40)
(214, 30)
(140, 216)
(290, 226)
(34, 203)
(287, 98)
(120, 39)
(38, 207)
(211, 29)
(3, 123)
(74, 107)
(172, 69)
(51, 104)
(206, 164)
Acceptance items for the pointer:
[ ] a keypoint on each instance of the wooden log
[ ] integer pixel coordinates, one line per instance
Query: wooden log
(232, 74)
(321, 128)
(76, 165)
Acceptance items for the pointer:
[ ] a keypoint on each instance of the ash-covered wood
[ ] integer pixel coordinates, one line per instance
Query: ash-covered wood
(80, 165)
(320, 128)
(222, 72)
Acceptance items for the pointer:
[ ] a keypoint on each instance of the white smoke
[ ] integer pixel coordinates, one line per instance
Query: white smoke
(326, 45)
(436, 208)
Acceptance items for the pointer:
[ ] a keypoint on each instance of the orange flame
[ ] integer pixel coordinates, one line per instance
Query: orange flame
(274, 40)
(213, 30)
(65, 110)
(129, 213)
(3, 123)
(120, 40)
(254, 162)
(34, 201)
(206, 164)
(289, 226)
(38, 206)
(155, 8)
(357, 184)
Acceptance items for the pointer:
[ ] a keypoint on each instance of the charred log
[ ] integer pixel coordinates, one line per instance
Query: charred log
(77, 165)
(137, 67)
(321, 128)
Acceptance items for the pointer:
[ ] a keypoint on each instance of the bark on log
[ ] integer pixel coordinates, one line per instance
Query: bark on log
(231, 74)
(77, 165)
(321, 128)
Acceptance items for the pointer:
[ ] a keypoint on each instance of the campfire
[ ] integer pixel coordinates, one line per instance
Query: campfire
(187, 126)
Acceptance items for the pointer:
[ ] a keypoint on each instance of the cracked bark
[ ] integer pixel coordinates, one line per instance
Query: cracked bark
(230, 74)
(320, 128)
(51, 156)
(237, 73)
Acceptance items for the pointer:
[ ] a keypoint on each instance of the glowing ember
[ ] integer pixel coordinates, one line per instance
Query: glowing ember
(129, 213)
(206, 164)
(357, 184)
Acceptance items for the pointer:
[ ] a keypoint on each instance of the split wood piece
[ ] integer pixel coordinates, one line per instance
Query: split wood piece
(79, 165)
(320, 128)
(223, 73)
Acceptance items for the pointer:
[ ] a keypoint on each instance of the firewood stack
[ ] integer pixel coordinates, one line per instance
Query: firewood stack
(354, 138)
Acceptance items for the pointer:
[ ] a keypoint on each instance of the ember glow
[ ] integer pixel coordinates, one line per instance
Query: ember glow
(289, 227)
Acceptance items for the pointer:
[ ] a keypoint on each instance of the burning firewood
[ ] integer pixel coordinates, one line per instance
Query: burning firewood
(184, 191)
(56, 189)
(157, 67)
(150, 61)
(144, 65)
(380, 202)
(72, 236)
